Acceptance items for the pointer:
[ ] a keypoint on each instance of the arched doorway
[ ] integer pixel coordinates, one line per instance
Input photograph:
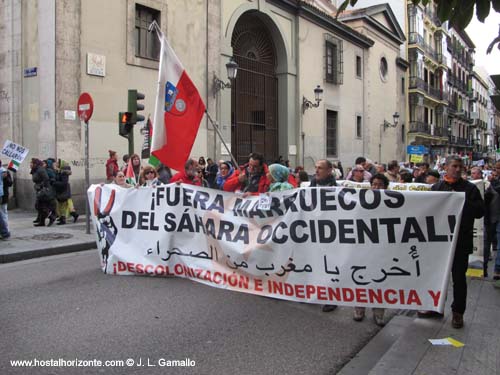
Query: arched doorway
(254, 104)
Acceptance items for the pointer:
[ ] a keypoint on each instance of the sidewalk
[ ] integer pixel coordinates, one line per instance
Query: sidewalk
(403, 348)
(28, 242)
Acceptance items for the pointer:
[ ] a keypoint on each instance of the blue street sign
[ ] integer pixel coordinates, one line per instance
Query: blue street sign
(417, 150)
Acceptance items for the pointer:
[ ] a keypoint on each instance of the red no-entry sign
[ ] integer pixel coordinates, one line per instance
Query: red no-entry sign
(85, 107)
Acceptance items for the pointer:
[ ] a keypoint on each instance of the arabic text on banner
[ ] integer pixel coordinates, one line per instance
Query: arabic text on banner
(337, 245)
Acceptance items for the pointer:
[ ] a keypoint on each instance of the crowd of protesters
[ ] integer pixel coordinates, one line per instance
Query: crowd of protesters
(53, 199)
(256, 177)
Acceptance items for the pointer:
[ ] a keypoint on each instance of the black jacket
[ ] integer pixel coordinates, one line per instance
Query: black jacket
(329, 181)
(473, 209)
(7, 183)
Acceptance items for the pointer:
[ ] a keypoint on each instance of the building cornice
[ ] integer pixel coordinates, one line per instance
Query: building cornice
(320, 18)
(402, 63)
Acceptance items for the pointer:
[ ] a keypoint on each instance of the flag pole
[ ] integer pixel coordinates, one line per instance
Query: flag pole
(216, 127)
(153, 26)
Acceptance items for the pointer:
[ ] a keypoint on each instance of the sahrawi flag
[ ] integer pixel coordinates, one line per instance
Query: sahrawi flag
(13, 165)
(130, 174)
(178, 111)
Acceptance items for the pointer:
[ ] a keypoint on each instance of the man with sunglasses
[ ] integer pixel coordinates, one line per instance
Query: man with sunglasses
(251, 178)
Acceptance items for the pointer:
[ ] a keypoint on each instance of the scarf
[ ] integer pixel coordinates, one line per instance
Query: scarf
(279, 173)
(450, 180)
(221, 180)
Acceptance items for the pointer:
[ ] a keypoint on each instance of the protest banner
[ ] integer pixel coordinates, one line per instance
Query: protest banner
(14, 151)
(344, 246)
(478, 236)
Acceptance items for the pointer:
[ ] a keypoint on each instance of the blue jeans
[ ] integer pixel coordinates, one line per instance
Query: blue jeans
(4, 231)
(4, 214)
(497, 260)
(489, 240)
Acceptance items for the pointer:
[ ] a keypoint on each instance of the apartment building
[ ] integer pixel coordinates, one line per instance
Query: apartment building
(460, 71)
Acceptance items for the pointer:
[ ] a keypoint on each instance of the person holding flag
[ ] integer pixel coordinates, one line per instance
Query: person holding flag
(134, 170)
(178, 111)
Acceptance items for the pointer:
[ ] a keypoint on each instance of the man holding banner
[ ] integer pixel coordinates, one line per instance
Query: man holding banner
(473, 209)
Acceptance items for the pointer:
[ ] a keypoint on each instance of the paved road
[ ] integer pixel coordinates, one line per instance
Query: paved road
(65, 307)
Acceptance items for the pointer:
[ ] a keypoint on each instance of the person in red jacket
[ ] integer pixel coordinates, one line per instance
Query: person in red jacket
(189, 175)
(251, 178)
(111, 166)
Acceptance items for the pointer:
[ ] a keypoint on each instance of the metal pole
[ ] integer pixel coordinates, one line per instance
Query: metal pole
(222, 139)
(87, 179)
(131, 142)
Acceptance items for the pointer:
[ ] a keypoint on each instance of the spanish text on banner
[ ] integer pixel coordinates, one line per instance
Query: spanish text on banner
(338, 245)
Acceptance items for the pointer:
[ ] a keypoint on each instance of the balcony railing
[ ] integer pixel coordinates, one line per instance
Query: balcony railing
(442, 59)
(420, 84)
(416, 38)
(460, 141)
(424, 128)
(430, 51)
(432, 15)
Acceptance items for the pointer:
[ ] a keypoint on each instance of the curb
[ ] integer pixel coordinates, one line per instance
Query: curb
(64, 249)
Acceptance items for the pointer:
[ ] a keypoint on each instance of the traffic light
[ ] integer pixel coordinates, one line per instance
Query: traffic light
(134, 105)
(125, 125)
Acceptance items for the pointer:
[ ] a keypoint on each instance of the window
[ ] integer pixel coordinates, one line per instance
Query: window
(358, 66)
(402, 85)
(358, 127)
(147, 44)
(333, 60)
(331, 133)
(384, 69)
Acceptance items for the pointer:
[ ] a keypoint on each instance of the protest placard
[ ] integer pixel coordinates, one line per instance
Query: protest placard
(14, 151)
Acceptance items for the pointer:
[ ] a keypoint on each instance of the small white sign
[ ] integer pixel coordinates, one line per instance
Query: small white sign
(14, 151)
(292, 149)
(69, 115)
(264, 202)
(96, 65)
(223, 149)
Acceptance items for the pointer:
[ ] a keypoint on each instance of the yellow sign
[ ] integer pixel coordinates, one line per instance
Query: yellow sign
(416, 158)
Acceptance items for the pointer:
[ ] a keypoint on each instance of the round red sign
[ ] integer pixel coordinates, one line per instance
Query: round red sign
(85, 107)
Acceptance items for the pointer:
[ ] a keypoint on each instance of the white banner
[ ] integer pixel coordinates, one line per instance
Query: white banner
(14, 151)
(334, 245)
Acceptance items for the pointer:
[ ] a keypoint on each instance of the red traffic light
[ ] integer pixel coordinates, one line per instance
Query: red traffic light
(126, 117)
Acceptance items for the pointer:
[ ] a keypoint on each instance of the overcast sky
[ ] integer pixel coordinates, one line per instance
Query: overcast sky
(482, 34)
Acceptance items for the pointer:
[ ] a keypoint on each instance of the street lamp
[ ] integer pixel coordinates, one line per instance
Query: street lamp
(306, 103)
(395, 118)
(384, 125)
(232, 70)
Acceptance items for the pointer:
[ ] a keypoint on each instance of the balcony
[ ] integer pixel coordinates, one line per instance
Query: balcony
(420, 84)
(432, 15)
(441, 59)
(460, 141)
(430, 51)
(424, 128)
(416, 38)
